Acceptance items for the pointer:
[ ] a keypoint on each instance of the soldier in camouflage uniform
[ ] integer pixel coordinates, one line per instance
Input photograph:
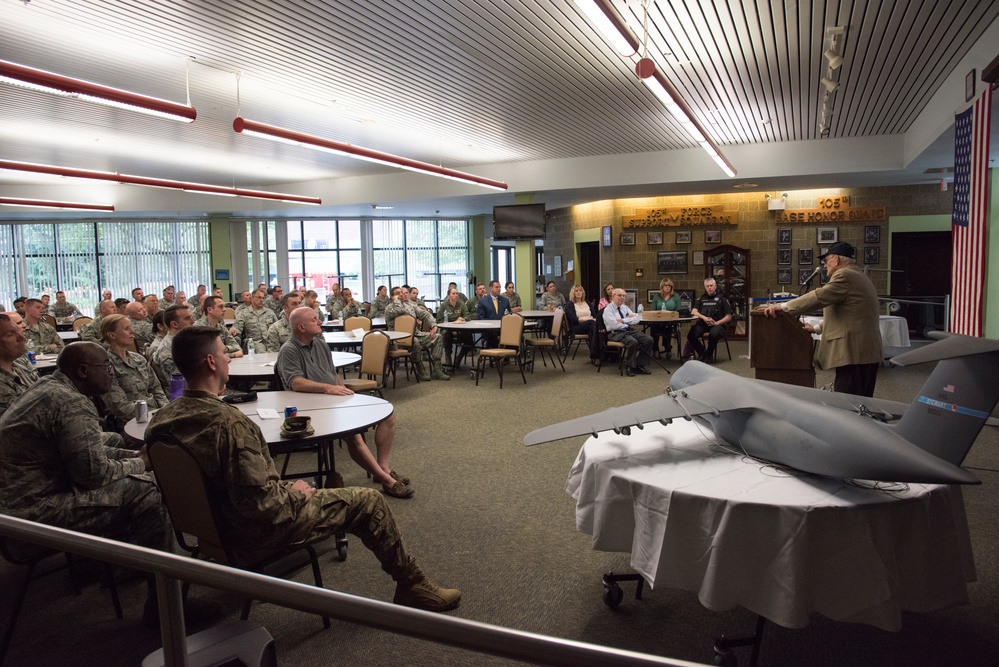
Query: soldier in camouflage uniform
(62, 308)
(334, 301)
(253, 322)
(472, 305)
(175, 319)
(134, 380)
(273, 300)
(58, 468)
(280, 331)
(348, 307)
(453, 310)
(423, 340)
(258, 510)
(168, 299)
(214, 318)
(380, 302)
(245, 301)
(16, 373)
(143, 328)
(43, 336)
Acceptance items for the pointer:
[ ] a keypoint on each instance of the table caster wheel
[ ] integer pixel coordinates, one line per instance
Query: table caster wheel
(725, 658)
(613, 595)
(341, 550)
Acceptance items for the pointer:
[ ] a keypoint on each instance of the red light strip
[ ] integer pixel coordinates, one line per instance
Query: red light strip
(45, 203)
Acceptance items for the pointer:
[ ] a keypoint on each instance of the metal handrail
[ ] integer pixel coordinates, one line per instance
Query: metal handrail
(170, 569)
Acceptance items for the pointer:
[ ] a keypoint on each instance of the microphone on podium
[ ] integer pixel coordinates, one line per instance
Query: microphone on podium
(811, 277)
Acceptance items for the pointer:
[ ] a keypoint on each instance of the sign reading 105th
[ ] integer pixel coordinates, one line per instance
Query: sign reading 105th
(833, 209)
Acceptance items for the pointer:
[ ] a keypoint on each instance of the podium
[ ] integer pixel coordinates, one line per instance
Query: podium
(781, 350)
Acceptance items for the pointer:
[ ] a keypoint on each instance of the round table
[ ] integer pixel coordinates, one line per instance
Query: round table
(261, 365)
(347, 339)
(68, 336)
(45, 363)
(337, 325)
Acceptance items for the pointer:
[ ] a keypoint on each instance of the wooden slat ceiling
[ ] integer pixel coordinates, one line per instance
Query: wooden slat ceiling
(459, 82)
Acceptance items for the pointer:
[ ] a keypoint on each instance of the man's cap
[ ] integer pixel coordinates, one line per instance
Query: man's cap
(841, 248)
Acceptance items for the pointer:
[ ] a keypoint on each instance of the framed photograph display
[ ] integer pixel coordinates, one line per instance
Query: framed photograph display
(783, 255)
(784, 236)
(686, 299)
(872, 255)
(652, 295)
(655, 238)
(872, 234)
(628, 238)
(683, 237)
(826, 235)
(674, 261)
(558, 265)
(784, 276)
(605, 235)
(804, 255)
(698, 258)
(803, 275)
(631, 299)
(712, 237)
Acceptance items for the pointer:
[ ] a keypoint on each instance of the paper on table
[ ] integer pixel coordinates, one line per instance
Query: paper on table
(269, 363)
(358, 333)
(268, 413)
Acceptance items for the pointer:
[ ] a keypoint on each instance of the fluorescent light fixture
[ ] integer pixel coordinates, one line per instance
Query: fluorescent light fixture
(154, 182)
(830, 85)
(279, 134)
(835, 60)
(47, 203)
(36, 79)
(608, 22)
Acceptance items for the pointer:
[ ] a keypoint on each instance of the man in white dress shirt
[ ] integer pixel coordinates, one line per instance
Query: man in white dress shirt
(618, 319)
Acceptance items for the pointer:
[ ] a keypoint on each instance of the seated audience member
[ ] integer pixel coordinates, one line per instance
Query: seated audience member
(138, 294)
(175, 320)
(41, 334)
(245, 301)
(105, 296)
(134, 380)
(713, 313)
(62, 309)
(182, 299)
(214, 317)
(142, 328)
(169, 297)
(606, 299)
(217, 293)
(273, 300)
(380, 302)
(472, 305)
(552, 298)
(161, 331)
(20, 305)
(492, 307)
(194, 302)
(46, 299)
(515, 304)
(349, 307)
(666, 299)
(452, 310)
(306, 365)
(414, 298)
(280, 331)
(581, 318)
(198, 307)
(334, 301)
(423, 340)
(454, 286)
(259, 510)
(16, 373)
(59, 468)
(152, 304)
(618, 319)
(253, 322)
(311, 300)
(119, 305)
(91, 332)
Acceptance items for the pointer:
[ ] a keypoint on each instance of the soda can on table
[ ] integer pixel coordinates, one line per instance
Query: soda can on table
(141, 412)
(32, 358)
(290, 411)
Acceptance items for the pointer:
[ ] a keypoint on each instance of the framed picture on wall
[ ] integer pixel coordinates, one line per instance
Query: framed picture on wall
(652, 296)
(686, 299)
(558, 265)
(605, 235)
(683, 237)
(628, 238)
(825, 235)
(872, 234)
(803, 275)
(672, 262)
(783, 255)
(712, 237)
(784, 236)
(784, 276)
(655, 238)
(631, 298)
(872, 255)
(804, 255)
(698, 258)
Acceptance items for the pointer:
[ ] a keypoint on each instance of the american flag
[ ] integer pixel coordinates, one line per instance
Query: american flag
(971, 164)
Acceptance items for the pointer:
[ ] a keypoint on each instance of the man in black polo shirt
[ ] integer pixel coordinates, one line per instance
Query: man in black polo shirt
(713, 313)
(304, 364)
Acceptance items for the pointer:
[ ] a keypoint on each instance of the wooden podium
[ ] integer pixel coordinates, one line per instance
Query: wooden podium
(781, 350)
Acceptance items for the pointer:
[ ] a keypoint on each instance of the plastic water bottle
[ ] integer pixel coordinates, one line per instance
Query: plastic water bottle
(177, 385)
(640, 309)
(250, 348)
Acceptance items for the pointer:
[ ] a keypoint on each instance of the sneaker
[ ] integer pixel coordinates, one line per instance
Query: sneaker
(642, 370)
(427, 595)
(629, 372)
(398, 490)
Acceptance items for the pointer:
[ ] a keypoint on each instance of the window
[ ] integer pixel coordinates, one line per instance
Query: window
(321, 252)
(427, 254)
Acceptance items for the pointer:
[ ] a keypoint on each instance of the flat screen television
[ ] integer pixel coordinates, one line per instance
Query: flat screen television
(522, 221)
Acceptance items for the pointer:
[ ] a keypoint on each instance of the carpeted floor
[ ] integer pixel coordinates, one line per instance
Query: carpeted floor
(492, 518)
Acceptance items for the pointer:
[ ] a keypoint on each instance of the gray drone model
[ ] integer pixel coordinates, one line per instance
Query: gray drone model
(825, 433)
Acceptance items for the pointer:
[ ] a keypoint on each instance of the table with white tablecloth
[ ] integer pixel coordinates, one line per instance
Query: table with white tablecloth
(740, 533)
(894, 329)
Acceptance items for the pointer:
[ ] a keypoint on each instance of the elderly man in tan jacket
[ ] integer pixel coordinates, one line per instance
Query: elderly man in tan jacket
(851, 337)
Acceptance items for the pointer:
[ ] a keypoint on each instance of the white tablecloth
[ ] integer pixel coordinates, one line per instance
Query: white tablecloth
(738, 533)
(894, 329)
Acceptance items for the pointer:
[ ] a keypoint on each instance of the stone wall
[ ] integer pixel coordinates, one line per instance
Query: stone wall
(754, 228)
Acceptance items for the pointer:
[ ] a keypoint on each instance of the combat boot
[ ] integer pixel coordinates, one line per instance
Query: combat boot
(421, 370)
(437, 372)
